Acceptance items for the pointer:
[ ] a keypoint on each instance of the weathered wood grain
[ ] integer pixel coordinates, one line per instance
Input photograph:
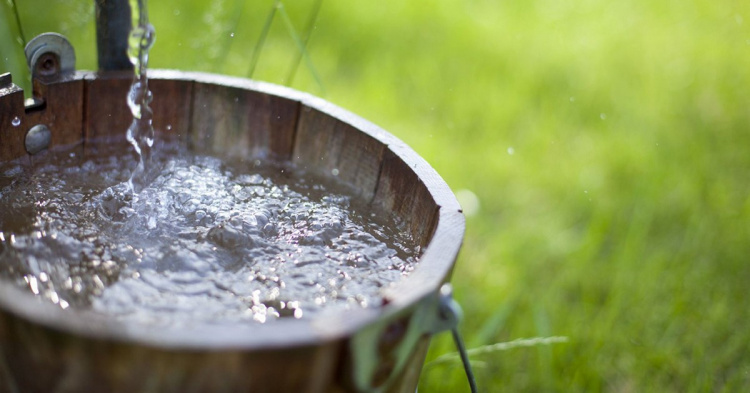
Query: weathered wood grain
(332, 148)
(401, 191)
(42, 359)
(171, 106)
(236, 122)
(106, 114)
(61, 111)
(12, 136)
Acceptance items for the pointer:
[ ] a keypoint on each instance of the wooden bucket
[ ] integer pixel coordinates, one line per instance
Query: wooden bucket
(46, 349)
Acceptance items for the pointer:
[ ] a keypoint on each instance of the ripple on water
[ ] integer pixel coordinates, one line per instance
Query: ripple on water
(205, 242)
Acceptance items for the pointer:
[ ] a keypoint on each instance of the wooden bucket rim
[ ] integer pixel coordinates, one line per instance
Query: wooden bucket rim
(433, 269)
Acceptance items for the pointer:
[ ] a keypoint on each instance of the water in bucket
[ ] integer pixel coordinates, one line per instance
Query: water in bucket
(206, 241)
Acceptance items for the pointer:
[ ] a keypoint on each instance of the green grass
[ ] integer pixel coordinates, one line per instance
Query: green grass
(621, 220)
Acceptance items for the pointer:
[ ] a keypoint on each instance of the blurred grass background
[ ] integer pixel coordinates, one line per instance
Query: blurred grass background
(606, 142)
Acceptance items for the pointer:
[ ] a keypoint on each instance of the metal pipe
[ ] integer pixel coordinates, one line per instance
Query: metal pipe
(112, 31)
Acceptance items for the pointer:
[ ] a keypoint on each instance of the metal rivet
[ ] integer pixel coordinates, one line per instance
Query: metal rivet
(48, 65)
(38, 138)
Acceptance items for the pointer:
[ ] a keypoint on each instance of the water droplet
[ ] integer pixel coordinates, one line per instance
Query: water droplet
(16, 121)
(169, 127)
(335, 172)
(603, 116)
(231, 35)
(33, 285)
(511, 150)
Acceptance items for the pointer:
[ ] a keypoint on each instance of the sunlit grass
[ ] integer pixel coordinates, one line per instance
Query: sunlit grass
(621, 218)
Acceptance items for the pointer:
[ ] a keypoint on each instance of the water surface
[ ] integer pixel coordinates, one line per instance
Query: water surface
(206, 241)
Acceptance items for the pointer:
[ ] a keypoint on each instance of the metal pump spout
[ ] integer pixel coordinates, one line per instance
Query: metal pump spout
(113, 22)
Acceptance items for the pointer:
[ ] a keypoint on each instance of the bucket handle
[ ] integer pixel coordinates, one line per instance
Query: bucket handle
(382, 350)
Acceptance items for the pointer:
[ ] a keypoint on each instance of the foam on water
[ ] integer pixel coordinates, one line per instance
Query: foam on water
(205, 242)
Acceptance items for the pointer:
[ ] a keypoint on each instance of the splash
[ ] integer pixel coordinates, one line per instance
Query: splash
(141, 131)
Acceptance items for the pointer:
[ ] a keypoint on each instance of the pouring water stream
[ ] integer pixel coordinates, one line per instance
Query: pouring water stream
(141, 131)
